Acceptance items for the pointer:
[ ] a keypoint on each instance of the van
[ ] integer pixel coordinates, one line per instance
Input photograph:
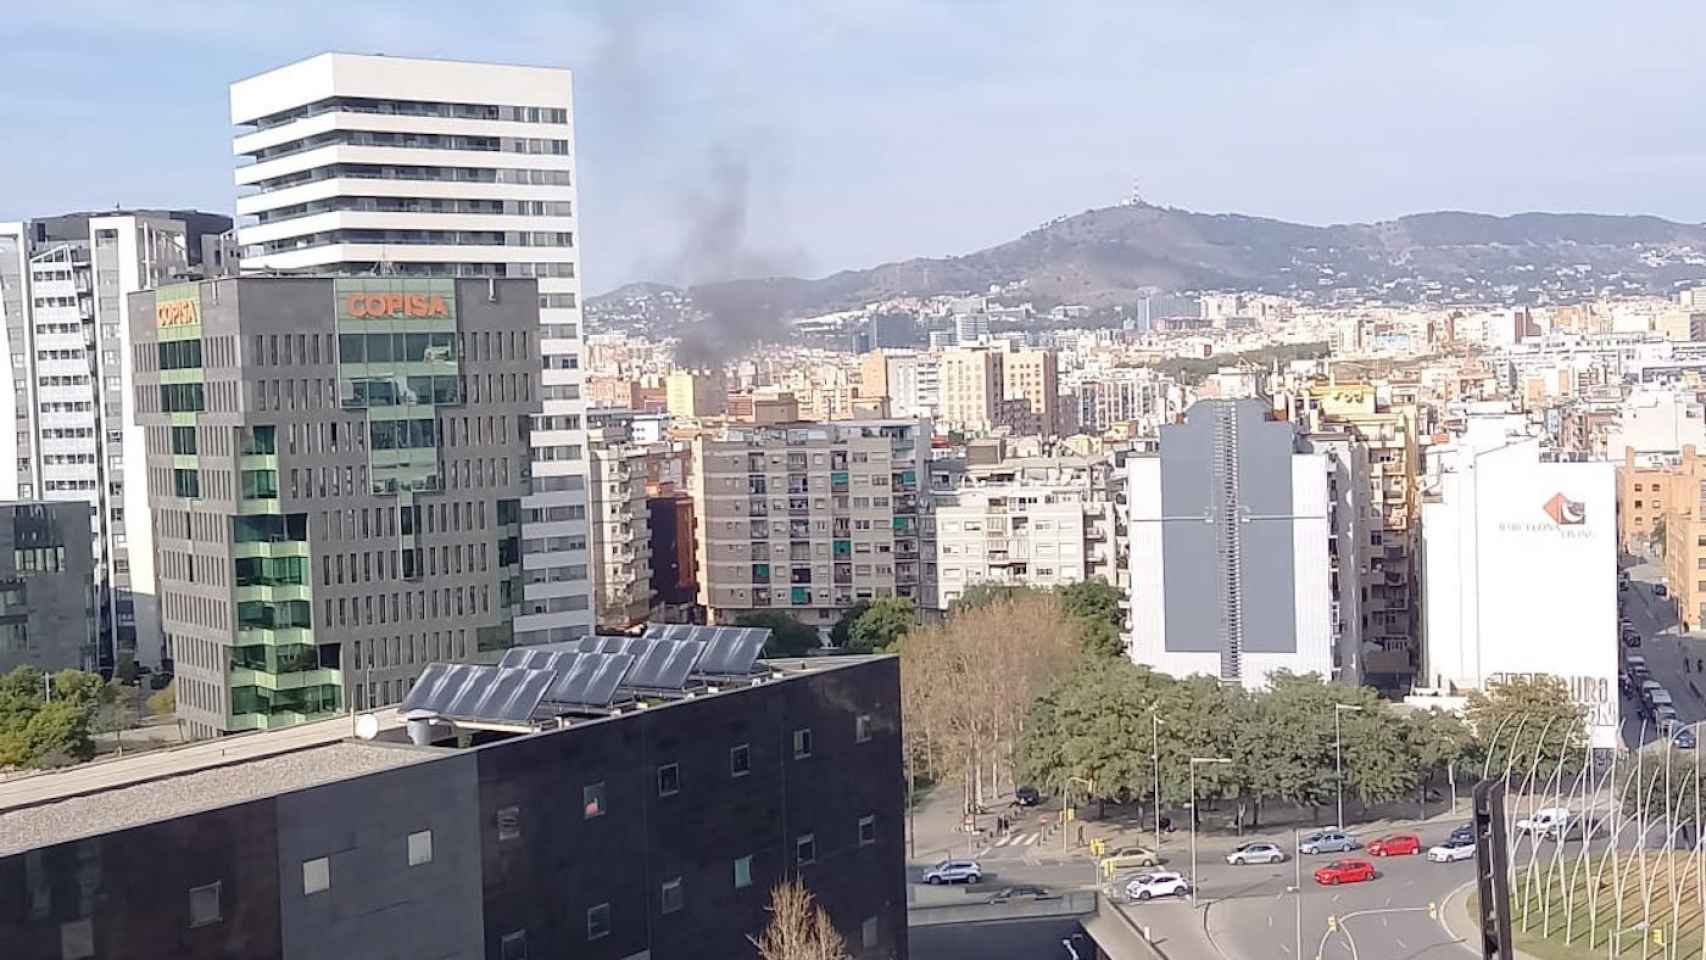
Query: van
(1661, 698)
(1637, 666)
(1548, 822)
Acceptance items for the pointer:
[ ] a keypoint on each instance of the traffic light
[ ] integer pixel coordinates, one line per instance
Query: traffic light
(1332, 923)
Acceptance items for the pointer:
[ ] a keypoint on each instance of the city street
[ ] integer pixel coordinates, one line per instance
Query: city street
(1654, 617)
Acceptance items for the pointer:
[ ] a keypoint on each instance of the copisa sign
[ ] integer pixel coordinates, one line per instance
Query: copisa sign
(178, 305)
(395, 299)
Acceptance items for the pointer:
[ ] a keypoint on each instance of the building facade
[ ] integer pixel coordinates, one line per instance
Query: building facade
(810, 519)
(689, 813)
(1644, 485)
(391, 166)
(1230, 547)
(1033, 377)
(64, 283)
(335, 471)
(48, 590)
(621, 528)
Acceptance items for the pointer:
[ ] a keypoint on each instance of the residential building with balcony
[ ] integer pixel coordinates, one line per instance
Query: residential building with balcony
(335, 471)
(621, 528)
(64, 284)
(357, 165)
(812, 518)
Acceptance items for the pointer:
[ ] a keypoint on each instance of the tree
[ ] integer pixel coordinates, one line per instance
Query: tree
(980, 595)
(882, 622)
(799, 929)
(1529, 726)
(1094, 724)
(41, 732)
(1436, 742)
(58, 735)
(843, 629)
(1093, 600)
(788, 637)
(164, 702)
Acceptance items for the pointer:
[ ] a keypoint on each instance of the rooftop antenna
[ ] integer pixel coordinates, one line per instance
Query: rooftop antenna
(1135, 197)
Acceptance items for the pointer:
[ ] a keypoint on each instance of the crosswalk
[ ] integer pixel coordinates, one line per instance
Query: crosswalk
(1016, 840)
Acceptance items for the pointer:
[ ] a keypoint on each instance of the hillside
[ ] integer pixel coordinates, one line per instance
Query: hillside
(1111, 256)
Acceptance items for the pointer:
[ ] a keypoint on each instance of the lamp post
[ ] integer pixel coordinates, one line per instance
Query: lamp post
(1194, 762)
(1339, 710)
(1155, 761)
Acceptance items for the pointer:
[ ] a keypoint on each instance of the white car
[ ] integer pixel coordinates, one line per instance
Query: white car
(1552, 822)
(1255, 853)
(1452, 851)
(954, 871)
(1148, 886)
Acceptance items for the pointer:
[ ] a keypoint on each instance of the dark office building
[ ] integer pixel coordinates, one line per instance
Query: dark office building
(625, 833)
(47, 587)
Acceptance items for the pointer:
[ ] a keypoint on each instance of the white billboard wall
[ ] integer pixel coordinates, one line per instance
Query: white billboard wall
(1547, 543)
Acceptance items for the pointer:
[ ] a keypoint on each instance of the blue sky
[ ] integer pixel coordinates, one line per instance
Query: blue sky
(822, 136)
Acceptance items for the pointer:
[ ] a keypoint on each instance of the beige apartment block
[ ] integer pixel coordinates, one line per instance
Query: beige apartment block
(697, 393)
(1034, 377)
(809, 519)
(1685, 538)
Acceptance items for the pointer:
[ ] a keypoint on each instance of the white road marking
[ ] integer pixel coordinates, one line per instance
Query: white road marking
(1399, 943)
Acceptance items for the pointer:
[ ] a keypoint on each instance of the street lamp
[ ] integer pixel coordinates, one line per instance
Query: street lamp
(1194, 762)
(1155, 760)
(1339, 710)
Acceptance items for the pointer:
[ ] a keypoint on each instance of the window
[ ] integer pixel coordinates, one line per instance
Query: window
(509, 823)
(805, 849)
(204, 904)
(669, 897)
(420, 848)
(802, 743)
(316, 875)
(867, 831)
(862, 728)
(669, 780)
(868, 933)
(77, 939)
(743, 872)
(592, 800)
(598, 922)
(514, 946)
(740, 761)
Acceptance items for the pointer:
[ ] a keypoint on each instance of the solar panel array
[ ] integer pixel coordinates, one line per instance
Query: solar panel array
(590, 673)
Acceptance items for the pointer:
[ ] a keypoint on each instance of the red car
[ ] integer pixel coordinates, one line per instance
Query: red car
(1344, 871)
(1397, 845)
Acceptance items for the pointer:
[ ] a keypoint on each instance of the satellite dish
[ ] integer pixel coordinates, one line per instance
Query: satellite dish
(367, 726)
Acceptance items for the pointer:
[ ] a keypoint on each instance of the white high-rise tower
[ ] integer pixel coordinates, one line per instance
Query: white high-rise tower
(373, 165)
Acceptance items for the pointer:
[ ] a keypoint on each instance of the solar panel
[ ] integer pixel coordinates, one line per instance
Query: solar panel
(731, 651)
(537, 656)
(590, 679)
(461, 691)
(674, 631)
(665, 664)
(608, 644)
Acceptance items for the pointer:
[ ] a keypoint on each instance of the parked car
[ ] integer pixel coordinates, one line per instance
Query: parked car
(1463, 834)
(954, 871)
(1027, 796)
(1148, 886)
(1344, 871)
(1027, 892)
(1637, 666)
(1631, 639)
(1684, 739)
(1255, 853)
(1549, 822)
(1626, 625)
(1396, 845)
(1125, 858)
(1659, 590)
(1454, 848)
(1327, 841)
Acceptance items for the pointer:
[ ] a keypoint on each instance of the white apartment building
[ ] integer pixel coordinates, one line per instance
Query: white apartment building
(1033, 521)
(64, 307)
(621, 527)
(390, 166)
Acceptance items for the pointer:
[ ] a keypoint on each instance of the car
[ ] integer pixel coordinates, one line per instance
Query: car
(1684, 739)
(1255, 853)
(1344, 871)
(1454, 848)
(1631, 640)
(1547, 822)
(1148, 886)
(1027, 892)
(1124, 858)
(1027, 796)
(1627, 625)
(1659, 590)
(954, 871)
(1463, 834)
(1395, 845)
(1327, 841)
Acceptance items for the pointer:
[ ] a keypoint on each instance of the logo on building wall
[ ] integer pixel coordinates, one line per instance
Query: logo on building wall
(178, 305)
(395, 305)
(1566, 512)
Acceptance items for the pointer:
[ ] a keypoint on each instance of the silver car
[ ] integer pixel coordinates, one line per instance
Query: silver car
(954, 871)
(1255, 853)
(1328, 841)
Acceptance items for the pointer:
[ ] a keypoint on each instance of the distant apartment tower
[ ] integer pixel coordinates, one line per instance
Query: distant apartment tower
(391, 166)
(48, 590)
(63, 287)
(970, 328)
(336, 470)
(697, 393)
(1123, 395)
(810, 519)
(621, 533)
(1032, 521)
(1033, 377)
(972, 388)
(1230, 545)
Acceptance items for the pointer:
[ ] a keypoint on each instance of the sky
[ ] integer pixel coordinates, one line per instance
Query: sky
(820, 136)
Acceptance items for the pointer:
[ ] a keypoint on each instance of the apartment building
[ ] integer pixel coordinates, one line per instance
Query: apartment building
(1030, 521)
(621, 529)
(64, 281)
(1230, 539)
(1033, 377)
(697, 393)
(355, 165)
(972, 387)
(335, 469)
(1644, 491)
(810, 519)
(48, 591)
(1135, 395)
